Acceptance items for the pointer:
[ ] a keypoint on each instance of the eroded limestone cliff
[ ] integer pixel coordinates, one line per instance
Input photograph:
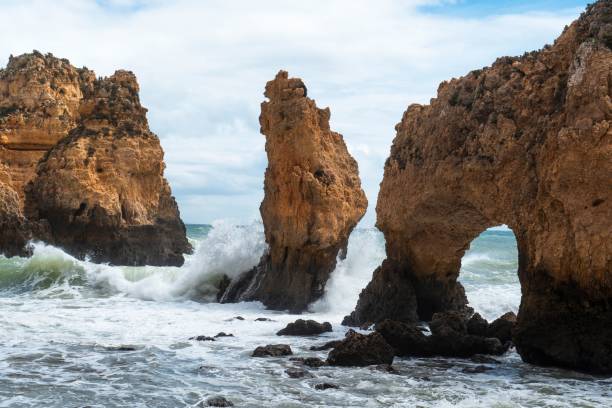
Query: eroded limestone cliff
(84, 165)
(313, 199)
(526, 142)
(40, 97)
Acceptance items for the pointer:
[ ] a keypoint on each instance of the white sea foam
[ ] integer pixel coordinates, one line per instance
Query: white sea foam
(366, 251)
(59, 339)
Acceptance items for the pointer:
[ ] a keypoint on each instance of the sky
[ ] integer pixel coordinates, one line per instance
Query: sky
(202, 66)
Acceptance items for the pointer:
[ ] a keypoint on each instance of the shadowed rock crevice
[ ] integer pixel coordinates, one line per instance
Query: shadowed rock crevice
(526, 142)
(313, 200)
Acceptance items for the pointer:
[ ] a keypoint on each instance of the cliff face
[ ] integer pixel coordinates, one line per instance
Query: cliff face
(15, 234)
(313, 199)
(526, 142)
(84, 163)
(39, 102)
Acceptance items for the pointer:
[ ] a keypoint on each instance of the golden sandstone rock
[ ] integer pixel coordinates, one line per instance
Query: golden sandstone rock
(526, 142)
(313, 200)
(84, 163)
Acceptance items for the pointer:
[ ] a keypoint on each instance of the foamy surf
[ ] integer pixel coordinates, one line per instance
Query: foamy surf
(76, 333)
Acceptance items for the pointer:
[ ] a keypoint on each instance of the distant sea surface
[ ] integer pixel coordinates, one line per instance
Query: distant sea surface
(76, 334)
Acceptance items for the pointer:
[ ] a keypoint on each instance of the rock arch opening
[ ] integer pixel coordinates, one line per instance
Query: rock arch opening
(489, 273)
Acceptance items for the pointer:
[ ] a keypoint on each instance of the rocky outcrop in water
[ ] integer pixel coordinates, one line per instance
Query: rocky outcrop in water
(85, 165)
(313, 199)
(526, 142)
(360, 350)
(303, 327)
(449, 337)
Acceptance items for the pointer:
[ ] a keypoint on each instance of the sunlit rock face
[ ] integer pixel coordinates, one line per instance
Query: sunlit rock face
(526, 142)
(313, 200)
(84, 165)
(40, 97)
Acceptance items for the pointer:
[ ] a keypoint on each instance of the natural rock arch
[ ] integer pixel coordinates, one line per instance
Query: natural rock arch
(527, 143)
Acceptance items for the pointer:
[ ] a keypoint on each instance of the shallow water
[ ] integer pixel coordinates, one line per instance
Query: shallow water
(77, 334)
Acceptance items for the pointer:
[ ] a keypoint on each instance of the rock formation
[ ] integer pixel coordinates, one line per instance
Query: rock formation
(313, 200)
(84, 164)
(40, 97)
(359, 350)
(526, 142)
(14, 231)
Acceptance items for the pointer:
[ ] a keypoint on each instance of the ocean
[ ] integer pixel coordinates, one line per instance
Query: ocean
(78, 334)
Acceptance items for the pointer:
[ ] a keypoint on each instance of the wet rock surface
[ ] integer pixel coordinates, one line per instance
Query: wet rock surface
(326, 346)
(297, 373)
(449, 338)
(305, 328)
(361, 350)
(218, 401)
(272, 350)
(313, 200)
(526, 142)
(326, 386)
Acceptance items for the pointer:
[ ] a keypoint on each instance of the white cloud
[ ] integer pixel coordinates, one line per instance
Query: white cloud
(202, 66)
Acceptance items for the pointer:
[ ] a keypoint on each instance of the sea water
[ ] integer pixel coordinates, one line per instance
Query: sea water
(78, 334)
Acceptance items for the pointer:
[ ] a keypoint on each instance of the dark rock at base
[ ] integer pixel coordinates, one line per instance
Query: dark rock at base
(448, 323)
(223, 284)
(263, 319)
(238, 318)
(297, 359)
(388, 295)
(502, 327)
(407, 339)
(202, 338)
(305, 328)
(224, 334)
(326, 386)
(361, 350)
(477, 325)
(482, 359)
(476, 370)
(449, 338)
(218, 402)
(386, 368)
(326, 346)
(296, 373)
(314, 362)
(272, 350)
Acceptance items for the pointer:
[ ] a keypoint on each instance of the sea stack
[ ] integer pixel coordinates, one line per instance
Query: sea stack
(313, 200)
(526, 142)
(86, 169)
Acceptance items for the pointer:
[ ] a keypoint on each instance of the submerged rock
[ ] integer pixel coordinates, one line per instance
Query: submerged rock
(526, 142)
(361, 350)
(326, 346)
(224, 334)
(313, 200)
(326, 386)
(297, 373)
(272, 350)
(202, 338)
(305, 328)
(314, 362)
(218, 401)
(87, 171)
(476, 370)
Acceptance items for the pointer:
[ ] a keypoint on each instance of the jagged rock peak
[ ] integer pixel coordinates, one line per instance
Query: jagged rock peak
(313, 199)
